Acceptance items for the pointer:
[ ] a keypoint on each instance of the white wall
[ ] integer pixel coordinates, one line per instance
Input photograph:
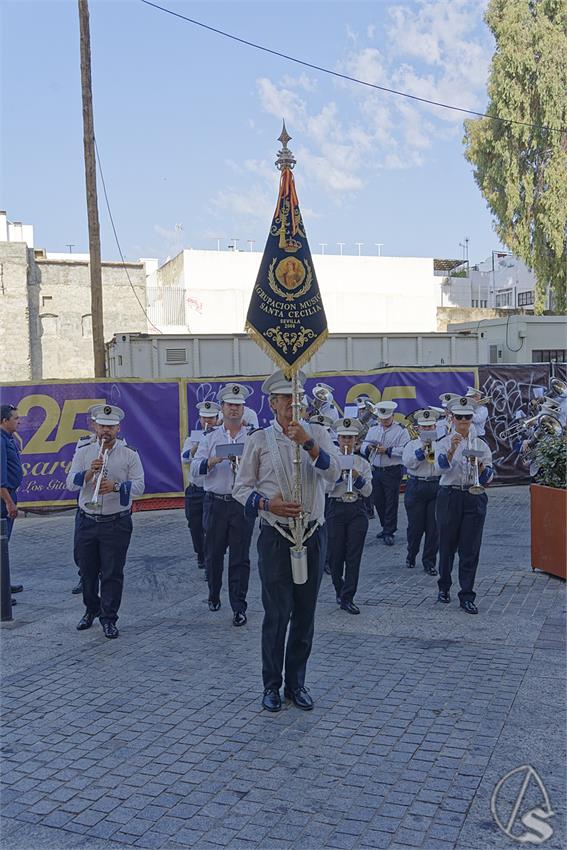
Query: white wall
(360, 294)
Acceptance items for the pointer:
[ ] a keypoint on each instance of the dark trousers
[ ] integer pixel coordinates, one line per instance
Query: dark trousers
(287, 604)
(460, 520)
(347, 533)
(419, 500)
(386, 495)
(75, 552)
(227, 527)
(102, 549)
(194, 498)
(9, 524)
(324, 532)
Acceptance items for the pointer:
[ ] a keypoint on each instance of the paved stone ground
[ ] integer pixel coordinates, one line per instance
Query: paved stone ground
(157, 740)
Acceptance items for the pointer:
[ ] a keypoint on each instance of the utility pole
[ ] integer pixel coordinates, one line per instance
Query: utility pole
(92, 202)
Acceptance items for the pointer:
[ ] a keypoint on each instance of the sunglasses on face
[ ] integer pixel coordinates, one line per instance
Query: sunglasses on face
(460, 417)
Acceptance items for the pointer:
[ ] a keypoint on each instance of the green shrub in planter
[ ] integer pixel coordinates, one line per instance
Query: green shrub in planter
(551, 456)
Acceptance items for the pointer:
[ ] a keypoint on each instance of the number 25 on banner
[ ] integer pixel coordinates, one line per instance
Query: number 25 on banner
(55, 419)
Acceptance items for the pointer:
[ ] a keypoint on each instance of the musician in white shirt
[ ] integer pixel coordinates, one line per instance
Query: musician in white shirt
(195, 494)
(461, 503)
(384, 446)
(226, 526)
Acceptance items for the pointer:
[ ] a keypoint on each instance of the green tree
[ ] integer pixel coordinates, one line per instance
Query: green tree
(522, 170)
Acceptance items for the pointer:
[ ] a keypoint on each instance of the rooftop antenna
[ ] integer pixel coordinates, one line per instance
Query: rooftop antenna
(379, 245)
(234, 243)
(323, 246)
(218, 238)
(360, 244)
(70, 246)
(251, 242)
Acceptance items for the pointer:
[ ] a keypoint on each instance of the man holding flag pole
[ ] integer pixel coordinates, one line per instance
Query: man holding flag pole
(282, 474)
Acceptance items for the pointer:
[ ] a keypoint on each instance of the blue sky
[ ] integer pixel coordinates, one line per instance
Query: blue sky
(187, 122)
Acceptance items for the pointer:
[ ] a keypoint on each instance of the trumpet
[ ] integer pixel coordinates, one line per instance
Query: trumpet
(234, 461)
(367, 417)
(349, 495)
(473, 455)
(429, 451)
(94, 503)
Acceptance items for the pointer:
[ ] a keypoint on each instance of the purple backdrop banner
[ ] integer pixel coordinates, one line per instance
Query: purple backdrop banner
(410, 389)
(53, 417)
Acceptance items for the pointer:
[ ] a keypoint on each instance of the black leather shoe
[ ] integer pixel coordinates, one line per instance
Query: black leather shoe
(338, 598)
(14, 602)
(110, 630)
(443, 596)
(299, 697)
(350, 607)
(410, 564)
(214, 606)
(388, 540)
(239, 619)
(78, 587)
(86, 621)
(430, 571)
(327, 569)
(469, 607)
(380, 535)
(16, 588)
(271, 700)
(201, 565)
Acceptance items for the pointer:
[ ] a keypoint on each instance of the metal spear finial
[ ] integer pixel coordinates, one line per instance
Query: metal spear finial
(285, 157)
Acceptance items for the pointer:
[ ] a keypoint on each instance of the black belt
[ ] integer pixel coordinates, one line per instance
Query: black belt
(340, 499)
(221, 498)
(463, 487)
(428, 478)
(104, 517)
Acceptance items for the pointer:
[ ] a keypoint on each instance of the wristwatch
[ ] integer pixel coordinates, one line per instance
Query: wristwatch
(308, 445)
(116, 487)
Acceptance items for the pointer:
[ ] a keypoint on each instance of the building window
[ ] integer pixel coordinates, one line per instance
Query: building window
(549, 355)
(525, 298)
(474, 302)
(87, 325)
(493, 353)
(504, 298)
(48, 324)
(484, 303)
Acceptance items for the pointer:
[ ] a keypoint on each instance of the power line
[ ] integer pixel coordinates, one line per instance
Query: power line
(346, 76)
(102, 180)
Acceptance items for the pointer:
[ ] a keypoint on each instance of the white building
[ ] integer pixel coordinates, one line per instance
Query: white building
(208, 292)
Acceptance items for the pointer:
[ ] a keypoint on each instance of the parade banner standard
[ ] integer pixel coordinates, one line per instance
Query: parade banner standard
(53, 417)
(410, 389)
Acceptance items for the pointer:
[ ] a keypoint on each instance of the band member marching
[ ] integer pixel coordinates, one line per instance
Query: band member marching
(109, 474)
(480, 414)
(383, 446)
(194, 495)
(465, 466)
(226, 526)
(347, 517)
(421, 492)
(264, 485)
(284, 467)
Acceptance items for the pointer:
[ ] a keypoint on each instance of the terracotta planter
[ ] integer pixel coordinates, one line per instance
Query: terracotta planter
(549, 529)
